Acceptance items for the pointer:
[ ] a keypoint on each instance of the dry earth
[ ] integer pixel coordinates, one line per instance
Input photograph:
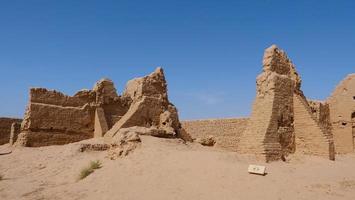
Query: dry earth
(169, 169)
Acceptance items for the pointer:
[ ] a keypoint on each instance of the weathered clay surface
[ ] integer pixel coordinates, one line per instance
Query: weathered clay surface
(54, 118)
(270, 132)
(15, 131)
(5, 129)
(342, 115)
(226, 132)
(150, 107)
(126, 141)
(279, 113)
(311, 137)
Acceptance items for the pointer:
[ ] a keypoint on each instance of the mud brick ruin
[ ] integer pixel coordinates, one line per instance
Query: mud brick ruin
(53, 118)
(283, 121)
(5, 129)
(342, 115)
(226, 132)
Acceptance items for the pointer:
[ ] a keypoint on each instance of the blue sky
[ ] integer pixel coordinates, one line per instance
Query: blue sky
(211, 50)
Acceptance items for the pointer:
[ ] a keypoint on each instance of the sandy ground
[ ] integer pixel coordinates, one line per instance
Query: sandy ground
(169, 169)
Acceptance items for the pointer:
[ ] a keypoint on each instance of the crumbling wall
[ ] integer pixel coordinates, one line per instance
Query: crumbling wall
(321, 113)
(5, 129)
(149, 106)
(312, 138)
(54, 118)
(113, 106)
(270, 133)
(342, 115)
(226, 132)
(281, 122)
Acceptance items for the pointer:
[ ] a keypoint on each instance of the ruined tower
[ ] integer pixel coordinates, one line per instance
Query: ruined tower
(281, 122)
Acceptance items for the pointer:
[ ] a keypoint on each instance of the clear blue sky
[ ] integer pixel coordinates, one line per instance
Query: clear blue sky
(211, 50)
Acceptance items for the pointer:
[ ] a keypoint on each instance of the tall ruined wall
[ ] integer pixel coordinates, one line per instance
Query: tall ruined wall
(270, 133)
(342, 115)
(282, 122)
(5, 129)
(226, 132)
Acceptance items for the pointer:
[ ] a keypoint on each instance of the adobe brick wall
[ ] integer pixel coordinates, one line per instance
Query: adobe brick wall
(5, 129)
(342, 109)
(227, 132)
(270, 133)
(312, 137)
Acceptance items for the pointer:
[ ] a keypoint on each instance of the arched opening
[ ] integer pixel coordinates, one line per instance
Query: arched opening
(353, 128)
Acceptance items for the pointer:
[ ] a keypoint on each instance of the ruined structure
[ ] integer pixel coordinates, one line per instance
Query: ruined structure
(5, 128)
(54, 118)
(149, 106)
(281, 122)
(226, 132)
(342, 115)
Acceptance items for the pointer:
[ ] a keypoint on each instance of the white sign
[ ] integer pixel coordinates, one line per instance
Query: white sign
(257, 169)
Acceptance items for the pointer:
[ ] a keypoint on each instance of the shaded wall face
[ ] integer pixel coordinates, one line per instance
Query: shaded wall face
(321, 112)
(281, 128)
(5, 129)
(342, 106)
(115, 109)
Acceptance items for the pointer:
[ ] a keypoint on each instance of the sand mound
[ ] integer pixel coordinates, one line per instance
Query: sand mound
(169, 169)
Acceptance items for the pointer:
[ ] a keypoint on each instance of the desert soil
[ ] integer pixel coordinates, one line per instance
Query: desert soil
(168, 169)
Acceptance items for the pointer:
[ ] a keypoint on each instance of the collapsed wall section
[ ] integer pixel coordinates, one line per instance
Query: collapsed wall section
(109, 103)
(149, 107)
(321, 112)
(53, 118)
